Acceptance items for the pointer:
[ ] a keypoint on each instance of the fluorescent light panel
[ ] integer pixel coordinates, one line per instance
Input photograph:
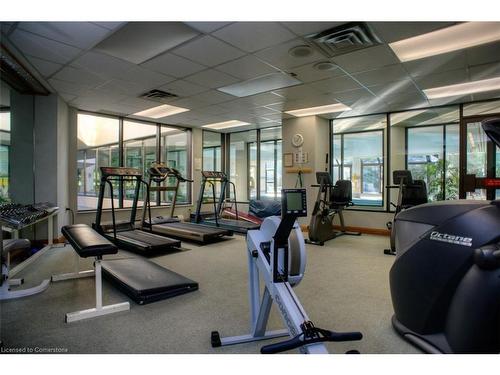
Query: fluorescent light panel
(225, 124)
(161, 111)
(452, 38)
(462, 89)
(265, 83)
(330, 108)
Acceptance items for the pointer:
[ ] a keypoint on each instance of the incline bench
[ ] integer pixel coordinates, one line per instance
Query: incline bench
(141, 279)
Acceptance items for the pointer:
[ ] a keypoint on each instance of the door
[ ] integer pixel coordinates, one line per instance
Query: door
(480, 162)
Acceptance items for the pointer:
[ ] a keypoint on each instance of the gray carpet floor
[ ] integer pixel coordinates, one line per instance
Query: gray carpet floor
(345, 288)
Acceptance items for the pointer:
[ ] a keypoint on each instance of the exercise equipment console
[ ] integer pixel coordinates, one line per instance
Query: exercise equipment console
(277, 252)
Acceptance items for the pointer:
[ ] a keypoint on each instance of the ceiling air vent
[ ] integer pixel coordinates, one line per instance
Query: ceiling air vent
(345, 38)
(159, 96)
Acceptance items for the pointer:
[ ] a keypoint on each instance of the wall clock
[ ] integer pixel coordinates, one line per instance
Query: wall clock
(297, 140)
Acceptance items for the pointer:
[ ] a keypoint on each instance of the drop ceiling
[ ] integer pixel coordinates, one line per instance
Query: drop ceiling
(105, 67)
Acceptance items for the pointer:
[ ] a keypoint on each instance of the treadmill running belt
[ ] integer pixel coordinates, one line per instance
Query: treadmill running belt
(144, 241)
(190, 231)
(145, 281)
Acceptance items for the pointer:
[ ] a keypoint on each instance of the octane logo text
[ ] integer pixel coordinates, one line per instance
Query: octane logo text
(451, 238)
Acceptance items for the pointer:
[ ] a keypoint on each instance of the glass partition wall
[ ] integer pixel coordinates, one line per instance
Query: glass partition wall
(4, 155)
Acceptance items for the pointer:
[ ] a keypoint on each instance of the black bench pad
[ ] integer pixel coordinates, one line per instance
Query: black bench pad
(87, 242)
(145, 281)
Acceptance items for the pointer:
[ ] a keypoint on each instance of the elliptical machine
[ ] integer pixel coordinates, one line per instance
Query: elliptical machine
(277, 252)
(330, 201)
(445, 281)
(410, 193)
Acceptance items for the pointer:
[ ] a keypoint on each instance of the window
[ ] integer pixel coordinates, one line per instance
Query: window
(141, 143)
(432, 148)
(175, 153)
(270, 163)
(139, 150)
(98, 139)
(243, 164)
(4, 155)
(358, 156)
(212, 160)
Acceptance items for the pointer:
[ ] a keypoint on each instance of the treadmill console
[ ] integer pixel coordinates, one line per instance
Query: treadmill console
(120, 172)
(294, 202)
(214, 175)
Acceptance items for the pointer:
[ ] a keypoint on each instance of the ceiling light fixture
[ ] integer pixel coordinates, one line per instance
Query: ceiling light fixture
(453, 38)
(462, 89)
(161, 111)
(325, 66)
(330, 108)
(265, 83)
(225, 124)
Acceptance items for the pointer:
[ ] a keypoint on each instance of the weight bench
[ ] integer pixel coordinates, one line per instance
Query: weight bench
(88, 243)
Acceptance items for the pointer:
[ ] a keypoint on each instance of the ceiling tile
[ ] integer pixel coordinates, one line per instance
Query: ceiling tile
(190, 103)
(253, 36)
(102, 64)
(125, 87)
(207, 27)
(212, 78)
(44, 67)
(308, 73)
(183, 88)
(350, 97)
(5, 27)
(393, 31)
(144, 77)
(278, 55)
(138, 42)
(367, 59)
(483, 54)
(486, 95)
(173, 65)
(442, 79)
(110, 25)
(259, 100)
(213, 97)
(336, 84)
(297, 92)
(138, 104)
(436, 64)
(306, 28)
(213, 110)
(484, 71)
(80, 76)
(43, 48)
(208, 51)
(246, 67)
(389, 73)
(77, 34)
(67, 97)
(68, 87)
(393, 89)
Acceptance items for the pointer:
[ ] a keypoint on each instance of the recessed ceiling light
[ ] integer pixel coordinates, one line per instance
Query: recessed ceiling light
(462, 89)
(452, 38)
(268, 82)
(161, 111)
(330, 108)
(225, 124)
(325, 66)
(300, 51)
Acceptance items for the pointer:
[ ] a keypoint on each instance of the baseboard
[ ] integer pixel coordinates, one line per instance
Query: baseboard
(365, 230)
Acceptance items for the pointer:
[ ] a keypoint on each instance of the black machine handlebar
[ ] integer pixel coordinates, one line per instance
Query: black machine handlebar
(311, 336)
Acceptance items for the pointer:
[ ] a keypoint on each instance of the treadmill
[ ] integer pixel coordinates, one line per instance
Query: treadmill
(124, 234)
(216, 219)
(171, 226)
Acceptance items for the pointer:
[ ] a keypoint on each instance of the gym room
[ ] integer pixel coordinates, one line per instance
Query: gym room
(292, 183)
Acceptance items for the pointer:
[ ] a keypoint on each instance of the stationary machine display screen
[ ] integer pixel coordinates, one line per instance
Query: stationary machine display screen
(294, 201)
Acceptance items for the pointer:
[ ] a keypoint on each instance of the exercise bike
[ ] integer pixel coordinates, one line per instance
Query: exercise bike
(445, 281)
(277, 252)
(410, 194)
(330, 201)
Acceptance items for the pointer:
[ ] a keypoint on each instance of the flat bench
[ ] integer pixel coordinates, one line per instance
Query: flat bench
(88, 243)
